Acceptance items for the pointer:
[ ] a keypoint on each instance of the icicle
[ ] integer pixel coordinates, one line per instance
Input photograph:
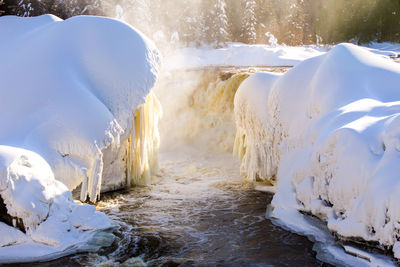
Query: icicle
(91, 184)
(256, 142)
(239, 147)
(84, 188)
(96, 175)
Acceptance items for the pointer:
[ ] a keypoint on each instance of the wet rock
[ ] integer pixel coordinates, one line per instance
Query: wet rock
(8, 219)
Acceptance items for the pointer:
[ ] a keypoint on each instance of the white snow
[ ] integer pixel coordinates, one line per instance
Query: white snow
(253, 133)
(239, 54)
(244, 55)
(328, 129)
(385, 48)
(72, 92)
(54, 225)
(75, 95)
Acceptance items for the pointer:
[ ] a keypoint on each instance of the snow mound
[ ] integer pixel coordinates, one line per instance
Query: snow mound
(329, 130)
(52, 224)
(70, 89)
(75, 100)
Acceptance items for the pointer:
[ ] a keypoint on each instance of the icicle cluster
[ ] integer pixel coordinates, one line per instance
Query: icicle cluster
(143, 143)
(257, 138)
(140, 153)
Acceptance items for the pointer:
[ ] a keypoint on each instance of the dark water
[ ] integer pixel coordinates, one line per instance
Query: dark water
(199, 213)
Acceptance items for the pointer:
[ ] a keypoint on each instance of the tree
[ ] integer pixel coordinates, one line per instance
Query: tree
(2, 11)
(220, 31)
(249, 22)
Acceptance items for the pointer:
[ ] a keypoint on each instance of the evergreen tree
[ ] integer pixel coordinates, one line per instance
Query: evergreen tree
(192, 24)
(220, 31)
(249, 22)
(2, 11)
(24, 8)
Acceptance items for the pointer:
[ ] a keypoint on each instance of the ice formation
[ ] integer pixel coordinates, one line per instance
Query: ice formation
(144, 142)
(75, 110)
(329, 130)
(254, 135)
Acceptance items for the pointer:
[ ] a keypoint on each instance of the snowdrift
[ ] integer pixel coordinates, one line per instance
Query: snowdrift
(75, 110)
(329, 131)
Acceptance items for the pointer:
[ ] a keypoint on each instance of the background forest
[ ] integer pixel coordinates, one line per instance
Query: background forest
(199, 22)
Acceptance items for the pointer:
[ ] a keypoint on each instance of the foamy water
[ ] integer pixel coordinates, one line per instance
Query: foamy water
(198, 213)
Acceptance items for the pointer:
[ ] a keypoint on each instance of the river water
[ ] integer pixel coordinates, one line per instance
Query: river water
(199, 213)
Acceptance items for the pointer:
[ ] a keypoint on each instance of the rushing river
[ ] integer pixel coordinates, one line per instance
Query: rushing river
(199, 213)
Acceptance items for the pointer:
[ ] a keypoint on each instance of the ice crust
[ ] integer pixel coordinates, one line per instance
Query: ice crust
(329, 130)
(75, 95)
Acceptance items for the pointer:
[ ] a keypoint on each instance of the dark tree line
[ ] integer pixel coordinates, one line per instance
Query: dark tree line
(292, 22)
(62, 8)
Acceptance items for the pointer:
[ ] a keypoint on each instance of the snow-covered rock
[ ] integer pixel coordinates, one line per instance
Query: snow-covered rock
(53, 224)
(70, 90)
(329, 130)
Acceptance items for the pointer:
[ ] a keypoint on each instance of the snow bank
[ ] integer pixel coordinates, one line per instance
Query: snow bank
(244, 55)
(387, 49)
(329, 131)
(233, 55)
(51, 225)
(75, 110)
(71, 93)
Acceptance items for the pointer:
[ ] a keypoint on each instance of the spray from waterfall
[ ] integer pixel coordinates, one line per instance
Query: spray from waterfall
(199, 108)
